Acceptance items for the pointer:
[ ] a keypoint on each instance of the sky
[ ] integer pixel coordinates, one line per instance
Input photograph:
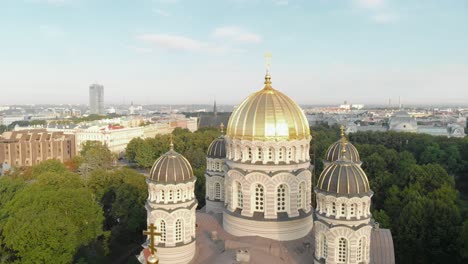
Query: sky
(186, 51)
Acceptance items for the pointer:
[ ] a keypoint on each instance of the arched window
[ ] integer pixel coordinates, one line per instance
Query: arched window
(270, 154)
(323, 246)
(360, 249)
(281, 154)
(240, 196)
(259, 154)
(170, 195)
(218, 191)
(249, 153)
(162, 230)
(301, 196)
(179, 195)
(281, 198)
(178, 230)
(352, 210)
(259, 198)
(333, 208)
(342, 250)
(163, 197)
(343, 209)
(293, 153)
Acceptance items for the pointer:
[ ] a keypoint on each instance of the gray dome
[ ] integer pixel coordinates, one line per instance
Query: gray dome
(217, 149)
(171, 167)
(343, 177)
(334, 152)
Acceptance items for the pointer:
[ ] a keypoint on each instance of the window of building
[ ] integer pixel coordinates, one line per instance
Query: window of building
(270, 154)
(360, 249)
(333, 208)
(249, 152)
(259, 197)
(342, 250)
(218, 191)
(323, 246)
(170, 195)
(343, 209)
(280, 154)
(289, 153)
(352, 209)
(281, 194)
(301, 196)
(240, 196)
(178, 230)
(179, 195)
(162, 230)
(259, 154)
(162, 196)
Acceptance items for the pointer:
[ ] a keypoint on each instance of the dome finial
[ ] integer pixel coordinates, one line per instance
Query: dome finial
(268, 65)
(344, 142)
(172, 143)
(221, 128)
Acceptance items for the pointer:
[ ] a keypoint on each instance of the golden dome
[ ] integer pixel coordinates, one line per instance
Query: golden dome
(268, 115)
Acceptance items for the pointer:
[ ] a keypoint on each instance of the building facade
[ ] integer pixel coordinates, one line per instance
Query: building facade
(268, 171)
(30, 147)
(96, 99)
(171, 206)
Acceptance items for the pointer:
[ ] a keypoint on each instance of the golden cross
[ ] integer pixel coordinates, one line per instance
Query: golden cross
(268, 60)
(172, 143)
(342, 128)
(222, 128)
(152, 236)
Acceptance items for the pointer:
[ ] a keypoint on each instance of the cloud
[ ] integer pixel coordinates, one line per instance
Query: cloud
(236, 34)
(369, 4)
(182, 43)
(385, 18)
(161, 12)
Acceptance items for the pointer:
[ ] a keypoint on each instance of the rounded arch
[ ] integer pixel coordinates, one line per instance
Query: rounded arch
(258, 197)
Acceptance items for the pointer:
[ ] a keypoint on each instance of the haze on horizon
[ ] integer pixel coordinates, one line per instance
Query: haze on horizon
(183, 52)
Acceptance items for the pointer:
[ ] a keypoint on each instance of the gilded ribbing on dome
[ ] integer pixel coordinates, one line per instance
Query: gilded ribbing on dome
(268, 115)
(171, 167)
(336, 150)
(217, 149)
(343, 177)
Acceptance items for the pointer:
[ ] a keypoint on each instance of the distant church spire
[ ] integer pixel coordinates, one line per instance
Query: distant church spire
(215, 110)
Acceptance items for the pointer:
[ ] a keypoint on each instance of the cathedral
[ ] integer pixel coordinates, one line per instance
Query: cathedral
(259, 194)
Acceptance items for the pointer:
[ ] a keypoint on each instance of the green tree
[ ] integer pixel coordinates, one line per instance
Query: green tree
(44, 224)
(95, 156)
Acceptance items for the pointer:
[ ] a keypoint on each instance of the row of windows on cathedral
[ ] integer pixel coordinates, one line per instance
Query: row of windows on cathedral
(282, 196)
(285, 154)
(343, 252)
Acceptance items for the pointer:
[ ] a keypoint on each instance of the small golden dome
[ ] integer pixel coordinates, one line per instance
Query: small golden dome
(268, 115)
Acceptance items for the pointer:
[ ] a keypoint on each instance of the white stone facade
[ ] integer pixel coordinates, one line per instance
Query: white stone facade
(268, 189)
(215, 191)
(171, 208)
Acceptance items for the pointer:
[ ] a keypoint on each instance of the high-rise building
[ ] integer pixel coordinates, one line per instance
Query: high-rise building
(96, 99)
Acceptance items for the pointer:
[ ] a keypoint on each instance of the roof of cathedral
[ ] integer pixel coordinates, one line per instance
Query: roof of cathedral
(334, 151)
(268, 115)
(217, 149)
(343, 177)
(171, 167)
(382, 250)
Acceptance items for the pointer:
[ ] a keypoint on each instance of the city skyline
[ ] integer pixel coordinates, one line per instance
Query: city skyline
(179, 52)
